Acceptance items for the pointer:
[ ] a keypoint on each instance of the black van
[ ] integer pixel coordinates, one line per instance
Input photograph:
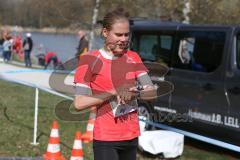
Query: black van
(204, 68)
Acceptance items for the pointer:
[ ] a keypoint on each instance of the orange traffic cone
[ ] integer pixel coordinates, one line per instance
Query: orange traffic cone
(88, 135)
(77, 152)
(53, 149)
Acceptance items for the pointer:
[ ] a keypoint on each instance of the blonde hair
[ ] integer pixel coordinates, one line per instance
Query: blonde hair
(111, 17)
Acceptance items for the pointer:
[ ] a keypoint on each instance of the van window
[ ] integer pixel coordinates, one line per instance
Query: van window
(199, 50)
(165, 42)
(153, 47)
(148, 47)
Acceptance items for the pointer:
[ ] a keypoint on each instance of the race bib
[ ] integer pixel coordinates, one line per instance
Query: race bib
(122, 109)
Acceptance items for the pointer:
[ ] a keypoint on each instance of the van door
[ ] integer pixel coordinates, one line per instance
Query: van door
(232, 117)
(197, 74)
(155, 49)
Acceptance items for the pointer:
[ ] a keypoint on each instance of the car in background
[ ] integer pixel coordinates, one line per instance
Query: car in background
(202, 62)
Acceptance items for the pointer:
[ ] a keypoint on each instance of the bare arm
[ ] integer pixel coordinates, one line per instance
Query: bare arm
(148, 90)
(85, 101)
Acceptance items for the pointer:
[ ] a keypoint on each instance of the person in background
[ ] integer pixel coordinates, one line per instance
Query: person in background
(17, 44)
(1, 42)
(51, 57)
(107, 78)
(40, 54)
(82, 45)
(27, 46)
(7, 48)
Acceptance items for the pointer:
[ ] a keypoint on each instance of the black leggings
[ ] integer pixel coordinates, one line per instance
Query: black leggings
(115, 150)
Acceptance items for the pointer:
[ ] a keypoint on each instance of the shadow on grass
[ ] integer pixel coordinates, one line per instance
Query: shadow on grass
(210, 148)
(41, 133)
(142, 155)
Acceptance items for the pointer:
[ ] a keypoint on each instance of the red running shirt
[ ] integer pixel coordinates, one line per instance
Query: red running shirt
(102, 74)
(50, 55)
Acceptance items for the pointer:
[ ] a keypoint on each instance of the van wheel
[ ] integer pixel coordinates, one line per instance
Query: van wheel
(145, 110)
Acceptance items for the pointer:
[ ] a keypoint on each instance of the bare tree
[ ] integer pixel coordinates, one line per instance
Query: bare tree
(186, 11)
(79, 13)
(94, 21)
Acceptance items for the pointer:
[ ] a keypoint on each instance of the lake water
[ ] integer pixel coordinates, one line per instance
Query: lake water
(64, 45)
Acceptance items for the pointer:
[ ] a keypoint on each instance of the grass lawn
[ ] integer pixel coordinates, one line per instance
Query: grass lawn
(17, 118)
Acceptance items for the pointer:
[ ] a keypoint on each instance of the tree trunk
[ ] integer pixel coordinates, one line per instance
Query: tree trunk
(94, 21)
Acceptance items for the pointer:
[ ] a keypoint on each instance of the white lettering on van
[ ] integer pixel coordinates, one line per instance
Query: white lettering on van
(231, 122)
(157, 78)
(215, 118)
(165, 109)
(200, 116)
